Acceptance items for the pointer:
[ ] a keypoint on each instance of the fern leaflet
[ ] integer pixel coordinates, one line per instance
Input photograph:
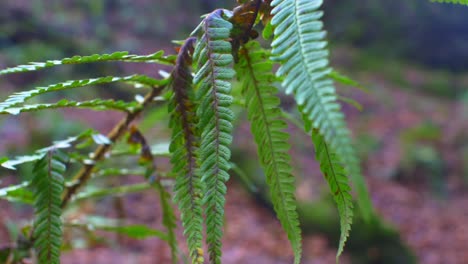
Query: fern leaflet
(184, 145)
(96, 104)
(335, 175)
(157, 57)
(264, 114)
(213, 59)
(300, 46)
(20, 97)
(461, 2)
(169, 219)
(48, 184)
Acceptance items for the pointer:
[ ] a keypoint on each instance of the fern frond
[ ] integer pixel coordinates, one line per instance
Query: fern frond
(255, 71)
(213, 59)
(184, 145)
(336, 178)
(169, 220)
(96, 104)
(461, 2)
(93, 223)
(48, 184)
(157, 57)
(20, 97)
(345, 80)
(38, 154)
(300, 46)
(17, 193)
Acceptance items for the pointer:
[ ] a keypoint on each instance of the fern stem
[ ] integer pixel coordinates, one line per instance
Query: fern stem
(83, 175)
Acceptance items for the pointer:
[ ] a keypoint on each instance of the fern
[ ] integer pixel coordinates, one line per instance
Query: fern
(169, 219)
(157, 57)
(96, 104)
(255, 71)
(48, 184)
(213, 59)
(38, 154)
(299, 45)
(184, 145)
(461, 2)
(20, 97)
(335, 175)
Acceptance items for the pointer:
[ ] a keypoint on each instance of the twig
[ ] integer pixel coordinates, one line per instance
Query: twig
(84, 174)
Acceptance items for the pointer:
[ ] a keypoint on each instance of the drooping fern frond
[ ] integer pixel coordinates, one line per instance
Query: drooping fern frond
(255, 71)
(96, 104)
(17, 193)
(299, 45)
(20, 97)
(335, 175)
(157, 57)
(184, 147)
(169, 219)
(38, 154)
(213, 63)
(461, 2)
(48, 184)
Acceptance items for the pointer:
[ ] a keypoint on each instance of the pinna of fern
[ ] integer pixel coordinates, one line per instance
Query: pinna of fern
(184, 148)
(212, 61)
(255, 72)
(48, 183)
(461, 2)
(299, 46)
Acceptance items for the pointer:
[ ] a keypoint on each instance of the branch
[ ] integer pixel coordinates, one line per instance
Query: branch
(84, 174)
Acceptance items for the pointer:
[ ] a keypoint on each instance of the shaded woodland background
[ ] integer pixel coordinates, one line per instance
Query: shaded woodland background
(412, 56)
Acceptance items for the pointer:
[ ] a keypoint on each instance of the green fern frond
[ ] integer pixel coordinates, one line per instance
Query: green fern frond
(18, 193)
(136, 231)
(184, 145)
(336, 178)
(38, 154)
(96, 104)
(48, 184)
(20, 97)
(300, 46)
(345, 80)
(461, 2)
(157, 57)
(213, 59)
(255, 71)
(169, 219)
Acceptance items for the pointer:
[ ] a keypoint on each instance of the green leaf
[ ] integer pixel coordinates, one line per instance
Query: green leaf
(184, 147)
(48, 185)
(255, 71)
(336, 178)
(17, 193)
(113, 225)
(343, 79)
(169, 219)
(135, 231)
(96, 104)
(212, 81)
(20, 97)
(12, 163)
(299, 46)
(108, 192)
(157, 57)
(461, 2)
